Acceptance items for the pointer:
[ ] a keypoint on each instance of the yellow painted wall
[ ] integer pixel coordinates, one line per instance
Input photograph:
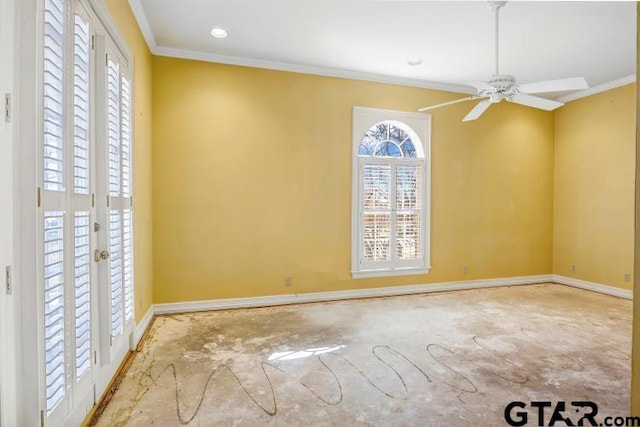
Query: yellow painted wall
(594, 187)
(143, 78)
(252, 183)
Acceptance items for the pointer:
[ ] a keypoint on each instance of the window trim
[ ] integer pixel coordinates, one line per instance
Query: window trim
(362, 119)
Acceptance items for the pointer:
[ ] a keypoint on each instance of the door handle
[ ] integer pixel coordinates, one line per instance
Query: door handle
(100, 255)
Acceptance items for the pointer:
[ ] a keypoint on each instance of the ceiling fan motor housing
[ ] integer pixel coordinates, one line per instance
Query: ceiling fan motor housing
(503, 82)
(502, 87)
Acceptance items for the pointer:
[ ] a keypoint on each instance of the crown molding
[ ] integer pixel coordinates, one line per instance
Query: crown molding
(143, 23)
(599, 88)
(311, 69)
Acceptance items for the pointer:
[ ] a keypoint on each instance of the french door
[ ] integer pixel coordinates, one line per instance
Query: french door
(86, 229)
(115, 202)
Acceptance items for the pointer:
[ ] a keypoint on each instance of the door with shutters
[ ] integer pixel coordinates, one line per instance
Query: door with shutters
(85, 210)
(115, 201)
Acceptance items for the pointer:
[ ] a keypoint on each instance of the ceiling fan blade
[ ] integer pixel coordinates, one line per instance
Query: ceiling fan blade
(444, 104)
(480, 85)
(573, 83)
(535, 101)
(477, 111)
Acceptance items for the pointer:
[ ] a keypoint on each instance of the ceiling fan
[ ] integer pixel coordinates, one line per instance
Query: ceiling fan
(503, 86)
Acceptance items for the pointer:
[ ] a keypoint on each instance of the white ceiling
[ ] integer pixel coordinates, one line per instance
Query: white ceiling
(538, 40)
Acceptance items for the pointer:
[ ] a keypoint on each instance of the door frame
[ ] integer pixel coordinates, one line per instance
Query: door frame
(28, 402)
(8, 378)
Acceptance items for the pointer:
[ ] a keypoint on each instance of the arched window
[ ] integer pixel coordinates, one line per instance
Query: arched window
(390, 139)
(390, 215)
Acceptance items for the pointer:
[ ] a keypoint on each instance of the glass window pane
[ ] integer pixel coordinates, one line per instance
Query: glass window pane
(376, 236)
(408, 229)
(387, 139)
(377, 187)
(408, 187)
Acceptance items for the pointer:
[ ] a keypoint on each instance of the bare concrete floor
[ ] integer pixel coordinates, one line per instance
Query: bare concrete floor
(449, 359)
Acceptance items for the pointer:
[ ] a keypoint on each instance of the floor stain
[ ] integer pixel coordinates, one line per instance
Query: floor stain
(437, 359)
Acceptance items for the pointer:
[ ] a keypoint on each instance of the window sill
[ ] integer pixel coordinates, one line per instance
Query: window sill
(364, 274)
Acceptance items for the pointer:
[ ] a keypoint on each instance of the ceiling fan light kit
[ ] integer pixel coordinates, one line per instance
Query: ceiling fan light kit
(504, 87)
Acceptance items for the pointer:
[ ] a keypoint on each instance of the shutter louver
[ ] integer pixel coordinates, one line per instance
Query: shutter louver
(113, 112)
(376, 215)
(115, 228)
(82, 294)
(81, 117)
(127, 244)
(53, 96)
(409, 212)
(126, 136)
(377, 235)
(54, 316)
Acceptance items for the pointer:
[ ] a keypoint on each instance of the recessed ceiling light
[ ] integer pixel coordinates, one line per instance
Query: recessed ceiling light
(218, 33)
(414, 61)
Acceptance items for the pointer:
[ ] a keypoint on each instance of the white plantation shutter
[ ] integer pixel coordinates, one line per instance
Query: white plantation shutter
(125, 93)
(409, 212)
(127, 218)
(119, 133)
(82, 294)
(127, 246)
(391, 218)
(53, 179)
(115, 227)
(113, 114)
(376, 214)
(53, 96)
(66, 208)
(81, 178)
(82, 43)
(54, 309)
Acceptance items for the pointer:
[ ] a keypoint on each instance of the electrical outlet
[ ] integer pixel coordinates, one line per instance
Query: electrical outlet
(465, 269)
(627, 277)
(9, 280)
(574, 268)
(7, 107)
(288, 281)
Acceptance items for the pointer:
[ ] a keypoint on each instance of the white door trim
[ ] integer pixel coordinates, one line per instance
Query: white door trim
(25, 223)
(8, 357)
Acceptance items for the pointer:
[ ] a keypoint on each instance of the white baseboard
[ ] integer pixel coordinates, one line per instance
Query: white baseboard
(141, 328)
(591, 286)
(223, 304)
(286, 299)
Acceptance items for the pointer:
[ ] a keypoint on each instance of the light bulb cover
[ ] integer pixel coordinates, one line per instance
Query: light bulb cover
(218, 33)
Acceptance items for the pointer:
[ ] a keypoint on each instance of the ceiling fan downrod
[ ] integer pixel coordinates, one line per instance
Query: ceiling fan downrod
(495, 7)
